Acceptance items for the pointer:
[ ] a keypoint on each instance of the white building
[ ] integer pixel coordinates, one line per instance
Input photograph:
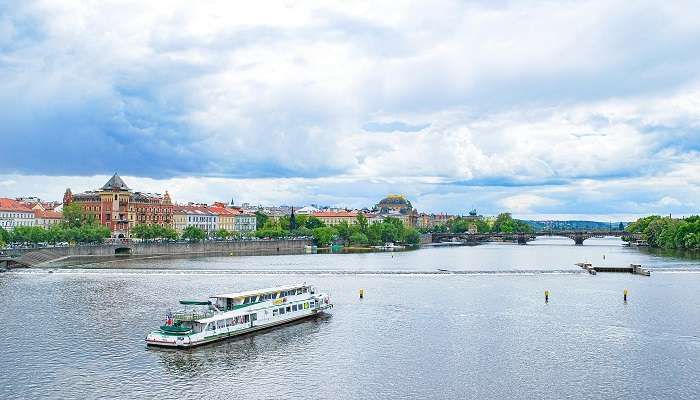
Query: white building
(14, 214)
(244, 222)
(199, 216)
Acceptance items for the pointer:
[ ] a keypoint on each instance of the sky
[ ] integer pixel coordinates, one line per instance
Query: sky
(546, 109)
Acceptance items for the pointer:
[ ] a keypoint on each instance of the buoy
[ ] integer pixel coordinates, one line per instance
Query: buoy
(546, 296)
(231, 253)
(362, 293)
(624, 295)
(603, 256)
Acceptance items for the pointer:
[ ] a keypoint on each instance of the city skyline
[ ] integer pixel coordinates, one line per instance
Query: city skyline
(341, 104)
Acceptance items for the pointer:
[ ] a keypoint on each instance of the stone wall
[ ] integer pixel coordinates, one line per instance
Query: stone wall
(236, 248)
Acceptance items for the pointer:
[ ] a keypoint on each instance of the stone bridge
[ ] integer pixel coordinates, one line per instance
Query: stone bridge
(522, 238)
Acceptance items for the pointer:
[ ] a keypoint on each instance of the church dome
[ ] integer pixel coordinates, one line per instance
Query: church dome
(395, 203)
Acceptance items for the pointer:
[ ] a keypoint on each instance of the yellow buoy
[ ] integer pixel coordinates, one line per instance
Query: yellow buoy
(546, 296)
(624, 295)
(362, 293)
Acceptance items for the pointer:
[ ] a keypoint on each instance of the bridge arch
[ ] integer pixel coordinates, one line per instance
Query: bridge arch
(122, 251)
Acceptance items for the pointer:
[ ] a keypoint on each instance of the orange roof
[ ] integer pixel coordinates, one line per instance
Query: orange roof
(13, 205)
(335, 214)
(223, 211)
(48, 214)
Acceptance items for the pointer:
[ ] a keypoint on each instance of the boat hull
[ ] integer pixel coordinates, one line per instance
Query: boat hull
(187, 342)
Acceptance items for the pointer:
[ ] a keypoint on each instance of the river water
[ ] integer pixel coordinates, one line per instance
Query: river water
(482, 331)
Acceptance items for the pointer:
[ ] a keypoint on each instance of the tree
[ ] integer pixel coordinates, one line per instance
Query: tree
(5, 236)
(314, 222)
(140, 231)
(344, 231)
(362, 223)
(260, 219)
(222, 233)
(411, 236)
(359, 238)
(73, 215)
(194, 234)
(324, 235)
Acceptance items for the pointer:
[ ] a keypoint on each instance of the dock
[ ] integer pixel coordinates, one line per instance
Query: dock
(635, 269)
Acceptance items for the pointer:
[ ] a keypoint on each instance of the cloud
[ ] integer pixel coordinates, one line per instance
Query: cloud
(481, 103)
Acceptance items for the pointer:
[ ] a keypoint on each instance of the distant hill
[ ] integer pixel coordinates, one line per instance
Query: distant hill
(574, 225)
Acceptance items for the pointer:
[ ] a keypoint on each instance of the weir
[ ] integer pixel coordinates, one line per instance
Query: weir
(635, 269)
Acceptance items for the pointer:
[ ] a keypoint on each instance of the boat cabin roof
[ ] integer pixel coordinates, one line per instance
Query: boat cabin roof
(247, 293)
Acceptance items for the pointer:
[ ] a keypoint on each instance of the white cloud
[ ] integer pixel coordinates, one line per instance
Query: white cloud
(538, 107)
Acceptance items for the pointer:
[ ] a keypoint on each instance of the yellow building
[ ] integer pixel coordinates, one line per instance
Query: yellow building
(331, 218)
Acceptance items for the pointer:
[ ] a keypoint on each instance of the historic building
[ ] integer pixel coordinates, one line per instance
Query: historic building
(226, 216)
(397, 206)
(198, 215)
(117, 207)
(14, 213)
(331, 218)
(244, 221)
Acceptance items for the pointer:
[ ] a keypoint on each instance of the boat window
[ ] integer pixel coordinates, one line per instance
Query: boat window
(294, 307)
(221, 324)
(306, 305)
(289, 308)
(275, 312)
(304, 290)
(211, 326)
(229, 322)
(273, 296)
(298, 291)
(282, 310)
(245, 318)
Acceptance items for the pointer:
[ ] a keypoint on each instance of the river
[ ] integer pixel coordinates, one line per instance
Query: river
(482, 331)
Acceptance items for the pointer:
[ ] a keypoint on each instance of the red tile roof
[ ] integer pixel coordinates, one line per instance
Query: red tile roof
(48, 214)
(13, 205)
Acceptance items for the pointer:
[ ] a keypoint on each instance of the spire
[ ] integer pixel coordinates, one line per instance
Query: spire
(166, 199)
(115, 182)
(292, 221)
(67, 197)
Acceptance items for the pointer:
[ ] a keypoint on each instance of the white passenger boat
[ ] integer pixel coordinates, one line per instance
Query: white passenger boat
(232, 314)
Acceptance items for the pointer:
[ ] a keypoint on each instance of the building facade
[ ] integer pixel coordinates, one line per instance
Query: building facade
(244, 221)
(14, 213)
(332, 218)
(197, 215)
(117, 207)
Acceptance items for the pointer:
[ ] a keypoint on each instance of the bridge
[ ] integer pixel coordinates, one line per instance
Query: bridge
(522, 238)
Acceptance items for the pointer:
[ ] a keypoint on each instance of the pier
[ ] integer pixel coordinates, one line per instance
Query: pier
(635, 269)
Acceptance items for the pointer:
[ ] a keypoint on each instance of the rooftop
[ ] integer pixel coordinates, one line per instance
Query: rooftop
(115, 182)
(246, 293)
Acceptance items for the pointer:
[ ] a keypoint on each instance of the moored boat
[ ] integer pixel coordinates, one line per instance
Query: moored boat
(233, 314)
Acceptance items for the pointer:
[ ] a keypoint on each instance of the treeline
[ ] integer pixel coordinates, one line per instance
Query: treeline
(504, 223)
(669, 233)
(55, 234)
(359, 233)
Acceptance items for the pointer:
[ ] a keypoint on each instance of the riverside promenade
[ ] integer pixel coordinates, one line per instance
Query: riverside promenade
(49, 256)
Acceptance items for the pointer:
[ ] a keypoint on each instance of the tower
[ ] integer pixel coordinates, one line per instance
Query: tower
(67, 197)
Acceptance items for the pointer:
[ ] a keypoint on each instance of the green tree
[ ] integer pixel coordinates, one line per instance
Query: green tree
(260, 219)
(314, 222)
(324, 235)
(374, 234)
(5, 236)
(411, 236)
(362, 223)
(359, 238)
(193, 234)
(222, 233)
(344, 231)
(73, 216)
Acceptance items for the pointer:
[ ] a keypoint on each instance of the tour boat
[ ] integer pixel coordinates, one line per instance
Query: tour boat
(233, 314)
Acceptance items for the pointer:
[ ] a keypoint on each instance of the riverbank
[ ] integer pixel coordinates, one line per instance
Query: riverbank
(64, 256)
